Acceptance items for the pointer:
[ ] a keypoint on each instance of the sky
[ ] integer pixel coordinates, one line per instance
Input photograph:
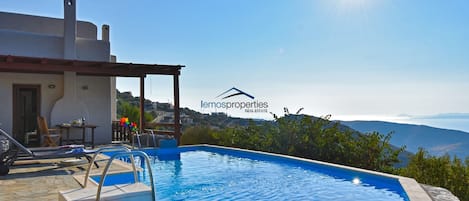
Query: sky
(394, 60)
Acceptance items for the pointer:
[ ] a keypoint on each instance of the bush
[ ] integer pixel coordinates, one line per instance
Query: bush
(321, 139)
(125, 109)
(302, 136)
(197, 135)
(440, 171)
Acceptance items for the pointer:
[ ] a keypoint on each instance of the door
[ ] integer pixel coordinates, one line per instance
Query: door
(26, 107)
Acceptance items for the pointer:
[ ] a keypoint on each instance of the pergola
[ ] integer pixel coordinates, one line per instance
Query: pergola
(20, 64)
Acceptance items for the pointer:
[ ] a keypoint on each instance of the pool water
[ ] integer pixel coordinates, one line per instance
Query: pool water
(208, 173)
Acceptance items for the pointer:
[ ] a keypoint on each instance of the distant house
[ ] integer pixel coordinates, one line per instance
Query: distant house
(168, 117)
(163, 117)
(60, 69)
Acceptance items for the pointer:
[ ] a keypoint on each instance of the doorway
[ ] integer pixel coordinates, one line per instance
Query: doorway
(26, 108)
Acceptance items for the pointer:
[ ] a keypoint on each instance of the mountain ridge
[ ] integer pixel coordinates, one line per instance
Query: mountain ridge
(437, 141)
(405, 134)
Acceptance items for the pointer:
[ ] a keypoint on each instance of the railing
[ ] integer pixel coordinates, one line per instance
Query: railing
(131, 154)
(109, 149)
(122, 133)
(150, 134)
(161, 128)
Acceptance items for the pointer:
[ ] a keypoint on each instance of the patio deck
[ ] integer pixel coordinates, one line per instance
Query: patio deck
(43, 179)
(38, 180)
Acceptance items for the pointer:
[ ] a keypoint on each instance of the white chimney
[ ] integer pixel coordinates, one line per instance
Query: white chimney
(105, 33)
(70, 29)
(69, 107)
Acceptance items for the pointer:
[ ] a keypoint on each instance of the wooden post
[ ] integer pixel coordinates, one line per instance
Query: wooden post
(142, 103)
(177, 117)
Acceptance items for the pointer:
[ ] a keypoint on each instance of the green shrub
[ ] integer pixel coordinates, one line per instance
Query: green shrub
(125, 109)
(440, 171)
(321, 139)
(302, 136)
(197, 135)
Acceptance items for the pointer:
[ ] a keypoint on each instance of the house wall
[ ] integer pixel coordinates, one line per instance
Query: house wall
(92, 50)
(48, 96)
(18, 43)
(96, 98)
(19, 31)
(44, 25)
(35, 36)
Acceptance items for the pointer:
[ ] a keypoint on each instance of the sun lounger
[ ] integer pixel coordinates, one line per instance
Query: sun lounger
(8, 157)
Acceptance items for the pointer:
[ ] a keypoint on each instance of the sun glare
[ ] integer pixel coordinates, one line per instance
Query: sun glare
(356, 181)
(347, 6)
(353, 3)
(370, 117)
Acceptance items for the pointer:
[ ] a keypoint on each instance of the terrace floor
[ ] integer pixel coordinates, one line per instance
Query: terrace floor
(38, 180)
(43, 179)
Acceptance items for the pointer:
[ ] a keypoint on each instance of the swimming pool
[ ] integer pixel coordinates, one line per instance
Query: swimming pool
(217, 173)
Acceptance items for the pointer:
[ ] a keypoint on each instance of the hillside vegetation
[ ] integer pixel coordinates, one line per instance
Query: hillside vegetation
(320, 139)
(436, 141)
(452, 174)
(302, 136)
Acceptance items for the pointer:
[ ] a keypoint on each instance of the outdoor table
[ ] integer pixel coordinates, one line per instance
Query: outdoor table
(83, 128)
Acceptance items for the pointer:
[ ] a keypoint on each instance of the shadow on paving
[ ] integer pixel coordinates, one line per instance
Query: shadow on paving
(36, 169)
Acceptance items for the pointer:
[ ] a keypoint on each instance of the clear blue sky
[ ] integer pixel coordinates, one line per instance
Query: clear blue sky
(354, 59)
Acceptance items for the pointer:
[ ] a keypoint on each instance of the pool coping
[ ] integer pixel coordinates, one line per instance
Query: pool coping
(112, 192)
(411, 187)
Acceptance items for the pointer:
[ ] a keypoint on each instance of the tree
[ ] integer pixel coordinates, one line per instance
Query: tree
(303, 136)
(125, 109)
(439, 171)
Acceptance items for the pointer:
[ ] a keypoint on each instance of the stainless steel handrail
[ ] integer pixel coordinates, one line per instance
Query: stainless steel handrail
(150, 132)
(120, 154)
(139, 140)
(137, 137)
(109, 149)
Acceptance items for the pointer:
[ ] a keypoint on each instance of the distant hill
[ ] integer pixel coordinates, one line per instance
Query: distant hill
(403, 157)
(436, 141)
(220, 120)
(163, 112)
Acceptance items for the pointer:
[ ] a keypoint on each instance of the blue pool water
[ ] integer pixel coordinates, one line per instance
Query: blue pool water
(209, 173)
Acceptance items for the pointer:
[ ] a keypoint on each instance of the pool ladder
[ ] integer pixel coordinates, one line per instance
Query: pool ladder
(122, 151)
(139, 142)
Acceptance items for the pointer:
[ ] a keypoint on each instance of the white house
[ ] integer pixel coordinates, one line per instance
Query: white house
(60, 69)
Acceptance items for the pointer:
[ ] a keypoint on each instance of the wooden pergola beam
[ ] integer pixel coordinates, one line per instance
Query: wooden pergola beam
(142, 103)
(20, 64)
(177, 116)
(9, 63)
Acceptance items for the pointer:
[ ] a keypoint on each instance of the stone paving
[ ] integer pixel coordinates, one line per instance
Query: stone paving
(43, 179)
(439, 194)
(37, 180)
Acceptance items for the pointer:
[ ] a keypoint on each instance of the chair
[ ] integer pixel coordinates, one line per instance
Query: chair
(31, 138)
(8, 157)
(49, 137)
